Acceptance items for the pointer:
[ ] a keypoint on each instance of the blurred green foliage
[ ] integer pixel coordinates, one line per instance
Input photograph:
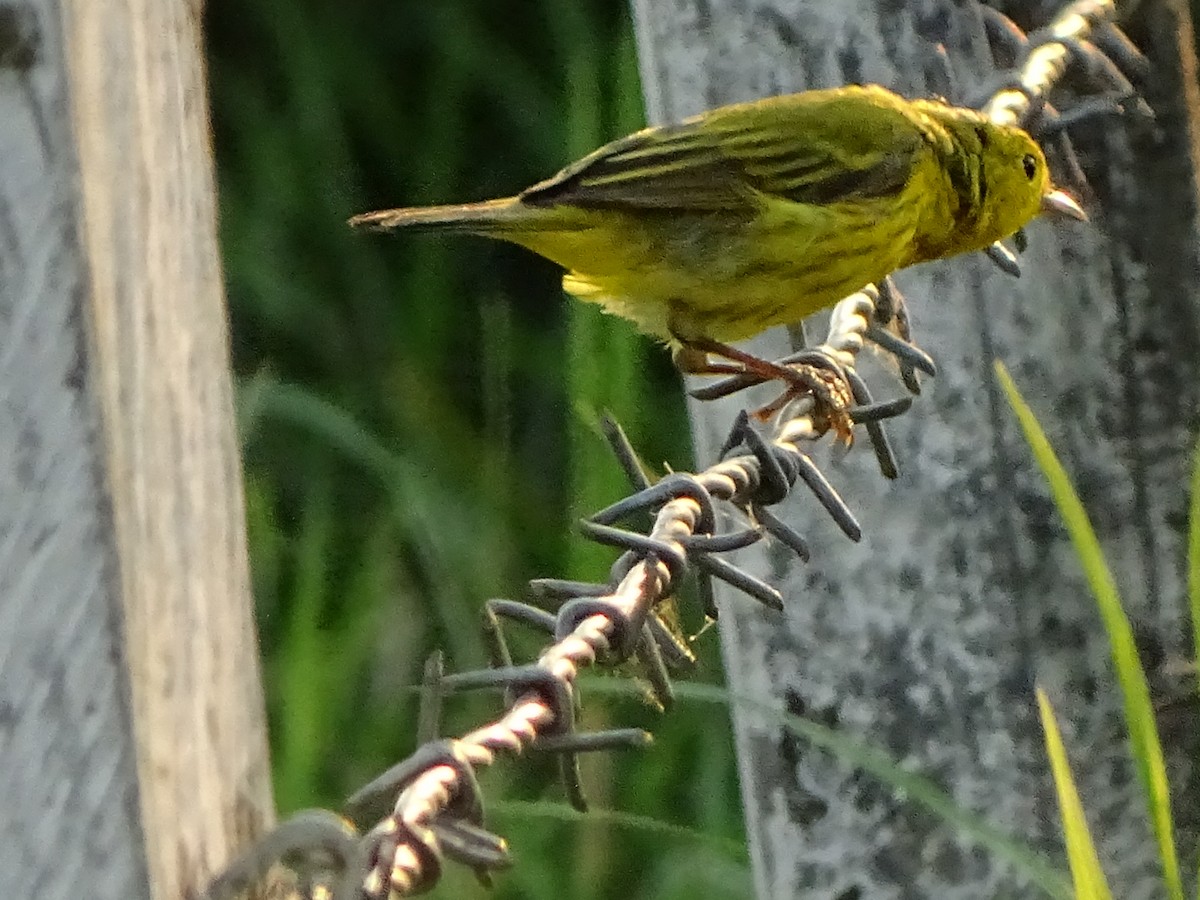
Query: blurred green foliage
(418, 414)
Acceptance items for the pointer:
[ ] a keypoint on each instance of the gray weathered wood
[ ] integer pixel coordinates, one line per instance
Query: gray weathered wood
(926, 638)
(131, 716)
(68, 796)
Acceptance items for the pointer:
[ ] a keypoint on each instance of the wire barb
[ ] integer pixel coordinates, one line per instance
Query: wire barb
(429, 807)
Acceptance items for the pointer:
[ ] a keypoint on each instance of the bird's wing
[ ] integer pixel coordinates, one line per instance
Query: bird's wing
(818, 147)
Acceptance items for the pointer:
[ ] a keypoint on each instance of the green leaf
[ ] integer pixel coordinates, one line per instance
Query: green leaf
(1139, 712)
(1086, 873)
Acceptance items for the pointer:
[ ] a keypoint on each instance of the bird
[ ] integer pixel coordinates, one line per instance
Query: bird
(708, 231)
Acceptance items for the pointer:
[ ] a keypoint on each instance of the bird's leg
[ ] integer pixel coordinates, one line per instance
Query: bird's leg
(692, 359)
(828, 388)
(694, 353)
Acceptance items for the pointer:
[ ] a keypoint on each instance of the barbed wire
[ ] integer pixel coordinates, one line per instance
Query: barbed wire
(392, 836)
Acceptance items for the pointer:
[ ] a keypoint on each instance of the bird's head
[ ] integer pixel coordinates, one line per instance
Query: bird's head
(1015, 184)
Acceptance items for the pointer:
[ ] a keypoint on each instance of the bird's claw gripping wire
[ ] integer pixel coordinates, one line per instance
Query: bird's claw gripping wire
(803, 375)
(886, 324)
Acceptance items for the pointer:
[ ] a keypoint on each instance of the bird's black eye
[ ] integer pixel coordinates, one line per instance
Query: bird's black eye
(1030, 165)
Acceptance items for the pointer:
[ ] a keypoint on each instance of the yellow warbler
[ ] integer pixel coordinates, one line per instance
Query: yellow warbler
(757, 214)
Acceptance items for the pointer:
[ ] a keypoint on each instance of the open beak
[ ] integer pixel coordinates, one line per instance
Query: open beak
(1059, 205)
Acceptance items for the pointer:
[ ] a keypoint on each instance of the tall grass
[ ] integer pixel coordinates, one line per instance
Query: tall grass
(418, 415)
(1137, 707)
(419, 420)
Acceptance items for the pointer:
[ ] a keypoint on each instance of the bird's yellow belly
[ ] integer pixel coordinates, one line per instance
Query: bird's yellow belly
(720, 276)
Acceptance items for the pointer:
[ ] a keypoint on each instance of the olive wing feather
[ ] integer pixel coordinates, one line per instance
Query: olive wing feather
(818, 147)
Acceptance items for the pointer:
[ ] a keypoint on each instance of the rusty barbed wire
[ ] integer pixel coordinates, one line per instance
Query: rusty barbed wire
(392, 836)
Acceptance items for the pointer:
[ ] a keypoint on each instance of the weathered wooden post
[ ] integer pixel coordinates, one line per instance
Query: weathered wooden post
(132, 751)
(926, 638)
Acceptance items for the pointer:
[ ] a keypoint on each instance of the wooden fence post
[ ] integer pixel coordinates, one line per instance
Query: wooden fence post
(925, 640)
(134, 759)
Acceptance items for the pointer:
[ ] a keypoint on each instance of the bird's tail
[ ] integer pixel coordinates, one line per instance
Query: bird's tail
(489, 217)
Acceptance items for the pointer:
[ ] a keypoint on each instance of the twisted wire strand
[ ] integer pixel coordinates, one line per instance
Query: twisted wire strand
(645, 584)
(438, 811)
(1047, 61)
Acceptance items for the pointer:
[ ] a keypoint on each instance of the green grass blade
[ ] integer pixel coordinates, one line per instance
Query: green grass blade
(1193, 560)
(1086, 873)
(1193, 564)
(604, 366)
(1139, 712)
(298, 662)
(851, 751)
(646, 825)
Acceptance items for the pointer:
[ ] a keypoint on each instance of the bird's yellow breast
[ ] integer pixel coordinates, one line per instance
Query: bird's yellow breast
(728, 275)
(757, 214)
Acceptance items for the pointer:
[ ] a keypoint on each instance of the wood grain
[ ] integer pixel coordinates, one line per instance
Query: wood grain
(127, 645)
(925, 640)
(160, 341)
(68, 787)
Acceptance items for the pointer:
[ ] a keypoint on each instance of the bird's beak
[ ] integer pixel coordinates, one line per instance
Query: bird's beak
(1059, 205)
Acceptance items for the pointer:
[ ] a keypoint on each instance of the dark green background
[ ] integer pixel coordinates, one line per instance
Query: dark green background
(418, 413)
